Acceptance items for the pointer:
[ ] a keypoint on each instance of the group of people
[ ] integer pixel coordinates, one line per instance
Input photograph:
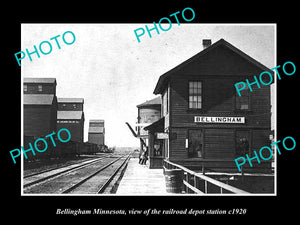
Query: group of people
(143, 156)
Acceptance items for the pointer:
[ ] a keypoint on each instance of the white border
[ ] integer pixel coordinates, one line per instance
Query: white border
(194, 195)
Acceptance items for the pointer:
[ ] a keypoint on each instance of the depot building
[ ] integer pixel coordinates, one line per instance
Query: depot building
(206, 124)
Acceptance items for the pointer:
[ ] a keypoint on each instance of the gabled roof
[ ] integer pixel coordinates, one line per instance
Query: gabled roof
(39, 80)
(155, 101)
(70, 100)
(70, 115)
(163, 78)
(38, 99)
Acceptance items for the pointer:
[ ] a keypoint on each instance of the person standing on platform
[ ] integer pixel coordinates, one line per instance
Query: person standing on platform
(140, 156)
(145, 156)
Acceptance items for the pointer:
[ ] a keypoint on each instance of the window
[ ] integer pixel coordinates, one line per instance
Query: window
(243, 102)
(195, 144)
(74, 106)
(158, 145)
(25, 87)
(195, 94)
(40, 88)
(242, 142)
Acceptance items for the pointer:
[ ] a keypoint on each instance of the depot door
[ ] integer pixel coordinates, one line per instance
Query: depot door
(195, 144)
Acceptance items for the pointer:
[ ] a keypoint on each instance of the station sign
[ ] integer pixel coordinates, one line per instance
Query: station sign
(218, 119)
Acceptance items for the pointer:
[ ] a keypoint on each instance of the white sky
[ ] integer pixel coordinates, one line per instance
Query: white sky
(113, 72)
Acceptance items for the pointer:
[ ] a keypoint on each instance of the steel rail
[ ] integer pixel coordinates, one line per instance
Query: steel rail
(60, 173)
(90, 176)
(104, 186)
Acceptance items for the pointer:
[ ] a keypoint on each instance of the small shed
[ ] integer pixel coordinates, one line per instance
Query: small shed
(96, 131)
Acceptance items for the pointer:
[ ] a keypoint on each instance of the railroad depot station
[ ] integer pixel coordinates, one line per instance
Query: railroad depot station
(204, 120)
(191, 132)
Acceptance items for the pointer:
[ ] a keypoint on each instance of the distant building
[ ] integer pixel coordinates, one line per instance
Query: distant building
(40, 106)
(96, 132)
(148, 113)
(70, 115)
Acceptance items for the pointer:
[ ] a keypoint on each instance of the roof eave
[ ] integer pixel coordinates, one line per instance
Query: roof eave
(159, 86)
(152, 102)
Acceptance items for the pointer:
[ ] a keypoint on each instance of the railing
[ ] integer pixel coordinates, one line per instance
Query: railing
(200, 184)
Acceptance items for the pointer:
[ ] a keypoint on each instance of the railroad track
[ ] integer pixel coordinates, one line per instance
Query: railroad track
(28, 174)
(39, 177)
(90, 177)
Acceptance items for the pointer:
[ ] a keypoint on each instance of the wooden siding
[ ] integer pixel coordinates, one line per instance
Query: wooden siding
(219, 143)
(148, 114)
(76, 130)
(46, 88)
(177, 146)
(218, 100)
(260, 138)
(96, 138)
(70, 106)
(39, 120)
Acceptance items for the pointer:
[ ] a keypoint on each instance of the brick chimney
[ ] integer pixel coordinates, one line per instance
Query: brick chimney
(206, 43)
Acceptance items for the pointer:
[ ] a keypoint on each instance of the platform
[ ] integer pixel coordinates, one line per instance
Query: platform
(140, 180)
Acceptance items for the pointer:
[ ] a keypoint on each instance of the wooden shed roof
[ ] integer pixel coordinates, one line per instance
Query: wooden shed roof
(73, 115)
(38, 99)
(70, 100)
(39, 80)
(154, 101)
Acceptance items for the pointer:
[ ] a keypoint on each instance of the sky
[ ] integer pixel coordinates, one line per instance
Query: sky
(113, 72)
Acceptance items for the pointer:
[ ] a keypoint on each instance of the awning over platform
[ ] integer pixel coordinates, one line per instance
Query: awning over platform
(157, 126)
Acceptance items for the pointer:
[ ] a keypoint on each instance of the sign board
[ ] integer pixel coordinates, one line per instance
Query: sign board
(162, 135)
(218, 119)
(142, 124)
(139, 127)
